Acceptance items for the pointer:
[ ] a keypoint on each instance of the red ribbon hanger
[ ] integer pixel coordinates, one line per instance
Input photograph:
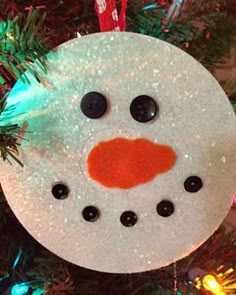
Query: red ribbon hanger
(108, 16)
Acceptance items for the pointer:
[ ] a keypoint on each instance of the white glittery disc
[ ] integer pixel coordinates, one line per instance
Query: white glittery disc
(195, 119)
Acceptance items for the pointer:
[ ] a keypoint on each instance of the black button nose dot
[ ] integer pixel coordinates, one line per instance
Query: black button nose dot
(93, 105)
(60, 191)
(90, 213)
(143, 108)
(165, 208)
(128, 218)
(193, 184)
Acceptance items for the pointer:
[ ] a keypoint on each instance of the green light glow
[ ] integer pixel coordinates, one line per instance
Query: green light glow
(19, 289)
(20, 252)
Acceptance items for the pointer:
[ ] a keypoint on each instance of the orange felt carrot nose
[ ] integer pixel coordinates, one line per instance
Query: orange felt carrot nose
(123, 163)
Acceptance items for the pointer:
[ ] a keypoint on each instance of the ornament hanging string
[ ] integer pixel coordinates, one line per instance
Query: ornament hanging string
(108, 15)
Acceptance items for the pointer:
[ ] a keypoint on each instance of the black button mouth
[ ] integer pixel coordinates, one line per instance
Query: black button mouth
(60, 191)
(128, 218)
(91, 214)
(193, 184)
(165, 208)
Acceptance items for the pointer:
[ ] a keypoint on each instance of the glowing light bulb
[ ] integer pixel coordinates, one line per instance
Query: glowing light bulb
(210, 284)
(19, 289)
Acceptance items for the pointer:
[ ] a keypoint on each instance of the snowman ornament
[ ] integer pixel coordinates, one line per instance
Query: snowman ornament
(129, 162)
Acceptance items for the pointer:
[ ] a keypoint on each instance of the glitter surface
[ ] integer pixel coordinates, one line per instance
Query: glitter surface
(195, 119)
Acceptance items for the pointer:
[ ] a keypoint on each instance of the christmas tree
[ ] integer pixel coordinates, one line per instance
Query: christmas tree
(28, 31)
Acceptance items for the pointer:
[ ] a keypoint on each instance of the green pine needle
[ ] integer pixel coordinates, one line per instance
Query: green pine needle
(206, 31)
(21, 49)
(21, 45)
(8, 142)
(9, 134)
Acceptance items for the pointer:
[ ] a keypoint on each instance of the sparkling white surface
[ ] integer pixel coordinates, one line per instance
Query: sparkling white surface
(196, 120)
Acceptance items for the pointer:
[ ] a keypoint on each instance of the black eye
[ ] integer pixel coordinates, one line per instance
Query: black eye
(60, 191)
(165, 208)
(128, 218)
(90, 213)
(93, 105)
(143, 108)
(193, 184)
